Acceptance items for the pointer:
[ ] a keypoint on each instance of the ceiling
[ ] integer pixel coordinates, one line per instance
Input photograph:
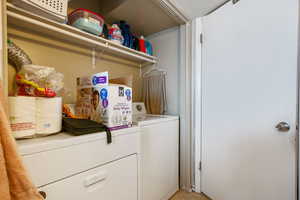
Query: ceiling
(145, 16)
(151, 19)
(198, 8)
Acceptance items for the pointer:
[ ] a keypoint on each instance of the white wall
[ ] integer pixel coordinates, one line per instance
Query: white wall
(172, 47)
(166, 48)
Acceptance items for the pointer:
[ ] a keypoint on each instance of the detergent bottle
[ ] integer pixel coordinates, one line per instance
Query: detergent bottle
(142, 44)
(149, 48)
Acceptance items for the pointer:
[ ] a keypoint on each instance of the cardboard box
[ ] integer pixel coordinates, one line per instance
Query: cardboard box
(109, 104)
(96, 80)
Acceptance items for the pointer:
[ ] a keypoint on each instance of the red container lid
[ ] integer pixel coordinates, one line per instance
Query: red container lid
(86, 10)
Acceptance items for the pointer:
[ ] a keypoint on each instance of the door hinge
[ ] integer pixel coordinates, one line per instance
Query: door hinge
(201, 38)
(200, 166)
(235, 1)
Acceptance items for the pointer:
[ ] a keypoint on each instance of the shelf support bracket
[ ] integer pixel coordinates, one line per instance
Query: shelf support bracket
(94, 58)
(140, 70)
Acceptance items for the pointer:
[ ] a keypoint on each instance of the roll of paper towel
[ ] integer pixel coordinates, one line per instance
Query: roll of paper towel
(22, 116)
(48, 115)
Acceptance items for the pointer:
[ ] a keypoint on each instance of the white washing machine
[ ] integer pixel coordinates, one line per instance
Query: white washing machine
(159, 153)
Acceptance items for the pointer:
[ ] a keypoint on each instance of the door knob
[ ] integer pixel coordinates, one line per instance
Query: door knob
(283, 127)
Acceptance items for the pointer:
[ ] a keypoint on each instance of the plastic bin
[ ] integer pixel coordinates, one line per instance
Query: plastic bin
(86, 20)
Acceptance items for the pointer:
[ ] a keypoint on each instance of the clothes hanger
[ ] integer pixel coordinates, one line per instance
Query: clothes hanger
(154, 69)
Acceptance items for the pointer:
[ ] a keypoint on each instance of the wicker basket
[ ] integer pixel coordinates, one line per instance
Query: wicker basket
(51, 9)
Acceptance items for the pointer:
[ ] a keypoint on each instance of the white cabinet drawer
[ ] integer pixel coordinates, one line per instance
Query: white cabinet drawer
(53, 165)
(114, 181)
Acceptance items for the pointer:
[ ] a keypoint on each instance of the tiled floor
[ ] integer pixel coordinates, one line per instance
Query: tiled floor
(188, 196)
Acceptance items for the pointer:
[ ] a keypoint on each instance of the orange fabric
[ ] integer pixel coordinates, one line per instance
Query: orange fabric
(14, 180)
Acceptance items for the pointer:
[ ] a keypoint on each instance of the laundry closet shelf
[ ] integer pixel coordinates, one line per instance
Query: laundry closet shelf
(28, 21)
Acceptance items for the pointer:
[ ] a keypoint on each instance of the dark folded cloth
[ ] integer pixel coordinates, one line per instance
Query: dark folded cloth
(85, 126)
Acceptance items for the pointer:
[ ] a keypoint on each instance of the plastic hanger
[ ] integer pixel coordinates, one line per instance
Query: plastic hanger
(155, 69)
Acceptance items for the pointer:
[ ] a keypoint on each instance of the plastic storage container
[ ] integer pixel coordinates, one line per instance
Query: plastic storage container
(86, 20)
(115, 35)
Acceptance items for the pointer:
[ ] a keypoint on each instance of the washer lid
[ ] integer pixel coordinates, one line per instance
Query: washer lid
(139, 118)
(147, 119)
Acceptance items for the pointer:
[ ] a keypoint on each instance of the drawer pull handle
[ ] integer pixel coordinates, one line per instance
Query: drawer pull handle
(94, 179)
(43, 194)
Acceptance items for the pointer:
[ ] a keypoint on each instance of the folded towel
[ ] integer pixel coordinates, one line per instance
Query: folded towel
(15, 183)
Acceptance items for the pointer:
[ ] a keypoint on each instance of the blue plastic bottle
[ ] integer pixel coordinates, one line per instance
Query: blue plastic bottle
(149, 48)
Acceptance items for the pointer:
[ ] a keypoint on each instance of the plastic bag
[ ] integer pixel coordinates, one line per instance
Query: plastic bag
(41, 81)
(16, 56)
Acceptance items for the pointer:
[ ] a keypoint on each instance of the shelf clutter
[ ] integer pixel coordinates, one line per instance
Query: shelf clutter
(27, 20)
(101, 104)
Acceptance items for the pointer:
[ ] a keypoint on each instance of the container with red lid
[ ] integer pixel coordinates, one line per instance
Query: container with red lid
(86, 20)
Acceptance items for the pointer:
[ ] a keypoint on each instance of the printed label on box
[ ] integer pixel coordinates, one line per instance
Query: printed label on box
(110, 104)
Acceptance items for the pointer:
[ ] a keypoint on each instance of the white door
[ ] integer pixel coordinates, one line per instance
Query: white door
(249, 87)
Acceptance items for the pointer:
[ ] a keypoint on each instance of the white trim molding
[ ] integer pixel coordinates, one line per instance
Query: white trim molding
(185, 109)
(196, 101)
(173, 10)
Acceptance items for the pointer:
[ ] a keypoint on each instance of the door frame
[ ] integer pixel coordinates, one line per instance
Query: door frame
(185, 109)
(197, 101)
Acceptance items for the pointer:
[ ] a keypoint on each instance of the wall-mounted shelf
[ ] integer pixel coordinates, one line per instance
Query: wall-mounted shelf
(26, 20)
